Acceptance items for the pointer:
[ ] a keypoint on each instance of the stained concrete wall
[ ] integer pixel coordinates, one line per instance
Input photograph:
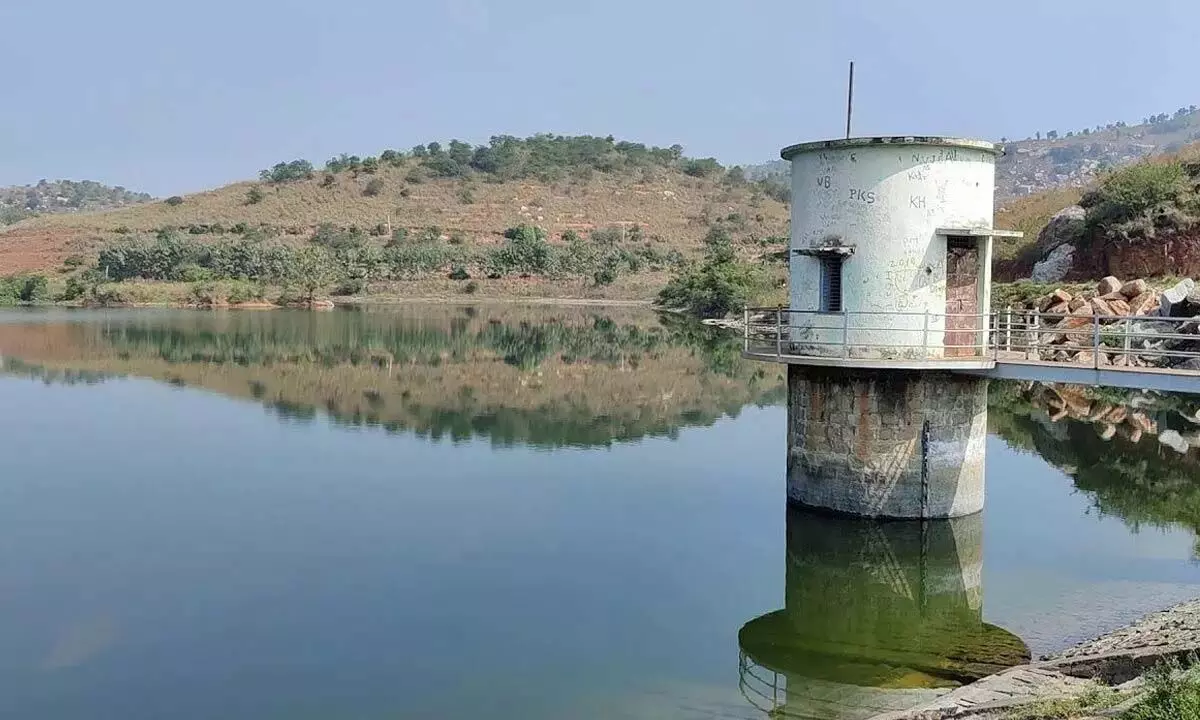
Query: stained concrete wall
(886, 443)
(886, 197)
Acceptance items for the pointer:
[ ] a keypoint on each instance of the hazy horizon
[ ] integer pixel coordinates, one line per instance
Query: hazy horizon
(173, 99)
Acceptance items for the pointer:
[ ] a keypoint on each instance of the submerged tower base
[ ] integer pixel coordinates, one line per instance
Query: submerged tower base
(886, 443)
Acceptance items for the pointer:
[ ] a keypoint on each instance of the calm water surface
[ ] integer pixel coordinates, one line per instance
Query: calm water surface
(521, 513)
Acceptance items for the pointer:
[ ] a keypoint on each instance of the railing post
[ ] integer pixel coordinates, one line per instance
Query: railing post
(845, 333)
(1008, 328)
(778, 331)
(925, 336)
(1034, 327)
(746, 329)
(995, 341)
(1128, 328)
(1096, 341)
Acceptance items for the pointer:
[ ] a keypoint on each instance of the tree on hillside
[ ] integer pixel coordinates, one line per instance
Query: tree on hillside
(288, 172)
(1038, 134)
(1052, 135)
(311, 269)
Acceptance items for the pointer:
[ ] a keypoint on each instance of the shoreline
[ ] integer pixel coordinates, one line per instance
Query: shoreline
(1117, 660)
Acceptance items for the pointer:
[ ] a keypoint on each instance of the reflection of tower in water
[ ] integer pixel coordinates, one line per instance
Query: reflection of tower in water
(879, 616)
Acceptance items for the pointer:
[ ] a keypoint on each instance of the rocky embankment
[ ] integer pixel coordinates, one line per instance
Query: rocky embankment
(1138, 325)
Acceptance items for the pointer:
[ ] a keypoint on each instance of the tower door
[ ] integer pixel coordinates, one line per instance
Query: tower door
(962, 297)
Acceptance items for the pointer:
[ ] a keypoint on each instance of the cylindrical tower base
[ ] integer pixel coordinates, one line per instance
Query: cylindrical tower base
(885, 443)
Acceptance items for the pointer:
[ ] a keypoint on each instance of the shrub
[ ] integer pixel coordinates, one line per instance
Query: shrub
(711, 290)
(379, 230)
(242, 292)
(122, 230)
(370, 165)
(174, 201)
(240, 228)
(1131, 191)
(392, 157)
(701, 167)
(471, 288)
(193, 273)
(32, 288)
(1174, 695)
(329, 180)
(77, 287)
(718, 286)
(458, 237)
(607, 236)
(373, 188)
(399, 236)
(466, 196)
(414, 177)
(409, 260)
(606, 275)
(459, 273)
(254, 196)
(526, 253)
(74, 261)
(349, 287)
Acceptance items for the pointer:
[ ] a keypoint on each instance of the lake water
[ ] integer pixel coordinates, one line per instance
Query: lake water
(508, 512)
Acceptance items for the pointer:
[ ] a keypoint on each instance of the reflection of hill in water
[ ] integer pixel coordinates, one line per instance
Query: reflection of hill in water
(516, 375)
(878, 616)
(1134, 452)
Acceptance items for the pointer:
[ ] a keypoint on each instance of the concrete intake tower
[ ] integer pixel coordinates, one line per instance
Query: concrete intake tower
(890, 256)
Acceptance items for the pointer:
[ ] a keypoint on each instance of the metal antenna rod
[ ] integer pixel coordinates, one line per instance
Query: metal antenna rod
(850, 100)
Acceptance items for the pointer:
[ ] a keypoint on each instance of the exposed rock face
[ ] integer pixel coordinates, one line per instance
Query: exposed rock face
(1167, 255)
(1055, 265)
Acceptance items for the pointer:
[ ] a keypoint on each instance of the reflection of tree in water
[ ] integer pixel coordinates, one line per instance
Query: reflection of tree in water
(545, 378)
(1131, 451)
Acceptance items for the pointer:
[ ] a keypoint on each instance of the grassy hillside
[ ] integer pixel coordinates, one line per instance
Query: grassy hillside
(598, 192)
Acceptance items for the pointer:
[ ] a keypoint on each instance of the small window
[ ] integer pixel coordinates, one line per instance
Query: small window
(831, 284)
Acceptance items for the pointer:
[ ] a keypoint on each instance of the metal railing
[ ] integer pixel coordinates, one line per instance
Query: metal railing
(877, 335)
(1098, 340)
(1068, 338)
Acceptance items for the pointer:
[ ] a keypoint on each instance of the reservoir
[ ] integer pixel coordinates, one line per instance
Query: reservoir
(523, 512)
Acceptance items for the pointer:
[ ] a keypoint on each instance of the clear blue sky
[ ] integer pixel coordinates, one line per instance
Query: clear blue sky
(179, 96)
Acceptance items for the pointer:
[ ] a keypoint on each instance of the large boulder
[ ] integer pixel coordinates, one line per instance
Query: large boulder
(1173, 301)
(1133, 288)
(1144, 304)
(1108, 285)
(1065, 228)
(1055, 265)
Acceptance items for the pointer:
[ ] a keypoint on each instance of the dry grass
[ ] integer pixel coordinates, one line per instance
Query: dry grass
(673, 211)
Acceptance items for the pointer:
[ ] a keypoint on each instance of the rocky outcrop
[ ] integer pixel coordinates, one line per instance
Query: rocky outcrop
(1055, 266)
(1054, 250)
